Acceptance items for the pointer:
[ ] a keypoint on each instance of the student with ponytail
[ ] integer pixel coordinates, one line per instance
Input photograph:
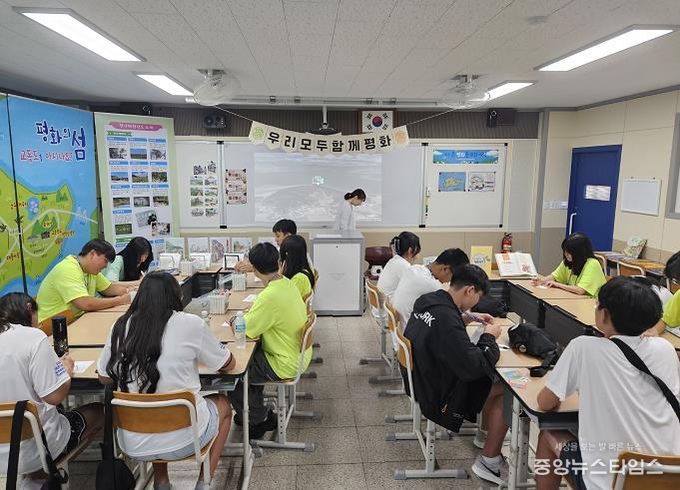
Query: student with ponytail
(345, 219)
(406, 247)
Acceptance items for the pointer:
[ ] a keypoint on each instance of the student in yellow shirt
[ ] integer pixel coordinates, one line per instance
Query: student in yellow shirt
(277, 318)
(294, 264)
(671, 310)
(580, 272)
(73, 283)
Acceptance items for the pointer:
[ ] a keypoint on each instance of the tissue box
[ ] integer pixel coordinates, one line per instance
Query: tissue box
(186, 267)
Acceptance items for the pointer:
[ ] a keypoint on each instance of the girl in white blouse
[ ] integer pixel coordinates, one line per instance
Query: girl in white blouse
(345, 218)
(406, 247)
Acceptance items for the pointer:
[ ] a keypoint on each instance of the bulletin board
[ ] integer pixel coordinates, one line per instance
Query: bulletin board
(641, 196)
(465, 185)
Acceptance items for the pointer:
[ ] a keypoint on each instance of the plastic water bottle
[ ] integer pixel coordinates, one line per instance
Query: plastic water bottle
(240, 330)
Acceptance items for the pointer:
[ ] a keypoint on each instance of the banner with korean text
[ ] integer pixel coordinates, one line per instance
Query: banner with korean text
(307, 143)
(53, 180)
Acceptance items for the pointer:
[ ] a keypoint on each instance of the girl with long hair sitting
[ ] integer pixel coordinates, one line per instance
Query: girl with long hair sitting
(294, 264)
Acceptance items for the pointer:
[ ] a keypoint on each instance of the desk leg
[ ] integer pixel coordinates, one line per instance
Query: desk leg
(248, 456)
(514, 446)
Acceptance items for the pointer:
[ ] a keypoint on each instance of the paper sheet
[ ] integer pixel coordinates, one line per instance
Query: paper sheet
(250, 298)
(81, 366)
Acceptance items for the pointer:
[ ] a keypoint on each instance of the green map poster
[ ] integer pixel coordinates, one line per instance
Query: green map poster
(52, 161)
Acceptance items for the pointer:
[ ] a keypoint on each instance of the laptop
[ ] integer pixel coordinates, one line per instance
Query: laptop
(673, 331)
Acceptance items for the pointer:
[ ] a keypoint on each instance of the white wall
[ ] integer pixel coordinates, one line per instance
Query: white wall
(644, 128)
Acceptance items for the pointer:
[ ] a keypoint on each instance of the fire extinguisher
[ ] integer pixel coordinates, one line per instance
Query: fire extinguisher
(506, 243)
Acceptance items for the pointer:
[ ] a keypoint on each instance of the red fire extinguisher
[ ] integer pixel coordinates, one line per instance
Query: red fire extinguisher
(506, 243)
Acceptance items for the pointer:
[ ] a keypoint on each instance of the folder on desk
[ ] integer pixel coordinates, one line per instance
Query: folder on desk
(480, 255)
(515, 264)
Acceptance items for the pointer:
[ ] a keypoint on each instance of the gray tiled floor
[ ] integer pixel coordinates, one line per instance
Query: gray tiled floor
(351, 450)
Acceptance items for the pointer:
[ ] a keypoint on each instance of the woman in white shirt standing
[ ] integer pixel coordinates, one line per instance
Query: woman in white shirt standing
(32, 371)
(156, 348)
(345, 219)
(406, 247)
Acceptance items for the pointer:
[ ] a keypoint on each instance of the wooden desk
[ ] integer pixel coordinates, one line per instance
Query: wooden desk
(213, 269)
(236, 299)
(242, 357)
(252, 282)
(91, 329)
(114, 309)
(524, 391)
(510, 358)
(217, 327)
(583, 309)
(672, 339)
(86, 354)
(545, 293)
(651, 267)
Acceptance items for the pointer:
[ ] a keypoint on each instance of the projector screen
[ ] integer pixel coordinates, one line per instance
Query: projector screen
(309, 188)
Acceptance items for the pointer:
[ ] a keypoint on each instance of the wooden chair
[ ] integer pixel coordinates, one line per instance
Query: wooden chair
(672, 285)
(46, 324)
(376, 301)
(638, 472)
(427, 439)
(156, 413)
(603, 262)
(286, 397)
(32, 429)
(625, 269)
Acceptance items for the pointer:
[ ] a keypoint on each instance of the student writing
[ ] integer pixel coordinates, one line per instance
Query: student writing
(579, 272)
(131, 263)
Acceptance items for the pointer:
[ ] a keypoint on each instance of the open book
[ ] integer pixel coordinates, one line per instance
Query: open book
(515, 264)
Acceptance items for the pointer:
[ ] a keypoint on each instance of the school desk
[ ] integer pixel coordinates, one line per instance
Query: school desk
(91, 329)
(566, 319)
(252, 282)
(527, 300)
(509, 357)
(672, 339)
(237, 299)
(651, 267)
(524, 391)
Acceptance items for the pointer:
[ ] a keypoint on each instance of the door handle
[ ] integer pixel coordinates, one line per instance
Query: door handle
(571, 222)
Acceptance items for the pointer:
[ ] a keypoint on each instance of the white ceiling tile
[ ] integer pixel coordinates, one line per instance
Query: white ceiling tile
(312, 17)
(147, 6)
(360, 10)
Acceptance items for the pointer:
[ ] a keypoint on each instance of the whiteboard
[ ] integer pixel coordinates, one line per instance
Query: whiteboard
(462, 191)
(641, 196)
(400, 182)
(195, 173)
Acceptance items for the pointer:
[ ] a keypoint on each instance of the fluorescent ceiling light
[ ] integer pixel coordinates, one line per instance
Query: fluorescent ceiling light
(80, 31)
(165, 83)
(621, 41)
(506, 88)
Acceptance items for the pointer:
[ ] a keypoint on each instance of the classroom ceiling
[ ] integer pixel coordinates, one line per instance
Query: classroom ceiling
(406, 49)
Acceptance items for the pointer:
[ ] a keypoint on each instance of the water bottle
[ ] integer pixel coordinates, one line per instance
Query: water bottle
(240, 330)
(59, 335)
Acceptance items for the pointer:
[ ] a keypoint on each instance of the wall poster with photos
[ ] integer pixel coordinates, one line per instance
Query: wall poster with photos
(136, 172)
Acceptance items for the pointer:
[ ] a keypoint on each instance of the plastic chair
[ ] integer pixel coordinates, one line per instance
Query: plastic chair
(426, 440)
(156, 413)
(637, 472)
(32, 429)
(387, 353)
(603, 262)
(625, 269)
(286, 398)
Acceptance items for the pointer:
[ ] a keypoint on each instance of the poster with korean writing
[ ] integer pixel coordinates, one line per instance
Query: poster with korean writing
(137, 175)
(54, 171)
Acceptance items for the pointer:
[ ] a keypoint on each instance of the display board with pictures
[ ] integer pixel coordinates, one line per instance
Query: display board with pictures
(200, 186)
(465, 185)
(136, 172)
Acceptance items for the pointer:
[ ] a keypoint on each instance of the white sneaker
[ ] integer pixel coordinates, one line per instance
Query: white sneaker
(484, 472)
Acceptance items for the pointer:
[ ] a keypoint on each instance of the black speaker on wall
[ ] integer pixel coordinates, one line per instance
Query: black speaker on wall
(500, 117)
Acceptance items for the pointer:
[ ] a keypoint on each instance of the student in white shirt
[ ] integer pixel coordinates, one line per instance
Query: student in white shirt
(421, 279)
(345, 219)
(32, 371)
(406, 247)
(156, 348)
(620, 408)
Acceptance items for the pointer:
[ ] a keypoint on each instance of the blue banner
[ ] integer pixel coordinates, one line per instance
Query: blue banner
(54, 163)
(465, 157)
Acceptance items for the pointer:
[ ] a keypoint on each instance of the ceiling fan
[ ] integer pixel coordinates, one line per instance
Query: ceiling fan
(466, 94)
(218, 88)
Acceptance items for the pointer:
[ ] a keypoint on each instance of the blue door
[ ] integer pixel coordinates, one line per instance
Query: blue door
(592, 193)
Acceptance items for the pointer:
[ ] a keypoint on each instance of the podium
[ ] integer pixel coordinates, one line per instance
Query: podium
(338, 257)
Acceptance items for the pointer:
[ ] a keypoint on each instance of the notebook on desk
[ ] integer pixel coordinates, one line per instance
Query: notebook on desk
(673, 331)
(515, 265)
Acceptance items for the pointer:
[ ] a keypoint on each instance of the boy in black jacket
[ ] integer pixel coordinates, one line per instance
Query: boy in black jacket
(452, 377)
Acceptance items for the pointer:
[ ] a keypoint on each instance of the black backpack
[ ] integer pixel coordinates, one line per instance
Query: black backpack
(492, 306)
(531, 340)
(112, 472)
